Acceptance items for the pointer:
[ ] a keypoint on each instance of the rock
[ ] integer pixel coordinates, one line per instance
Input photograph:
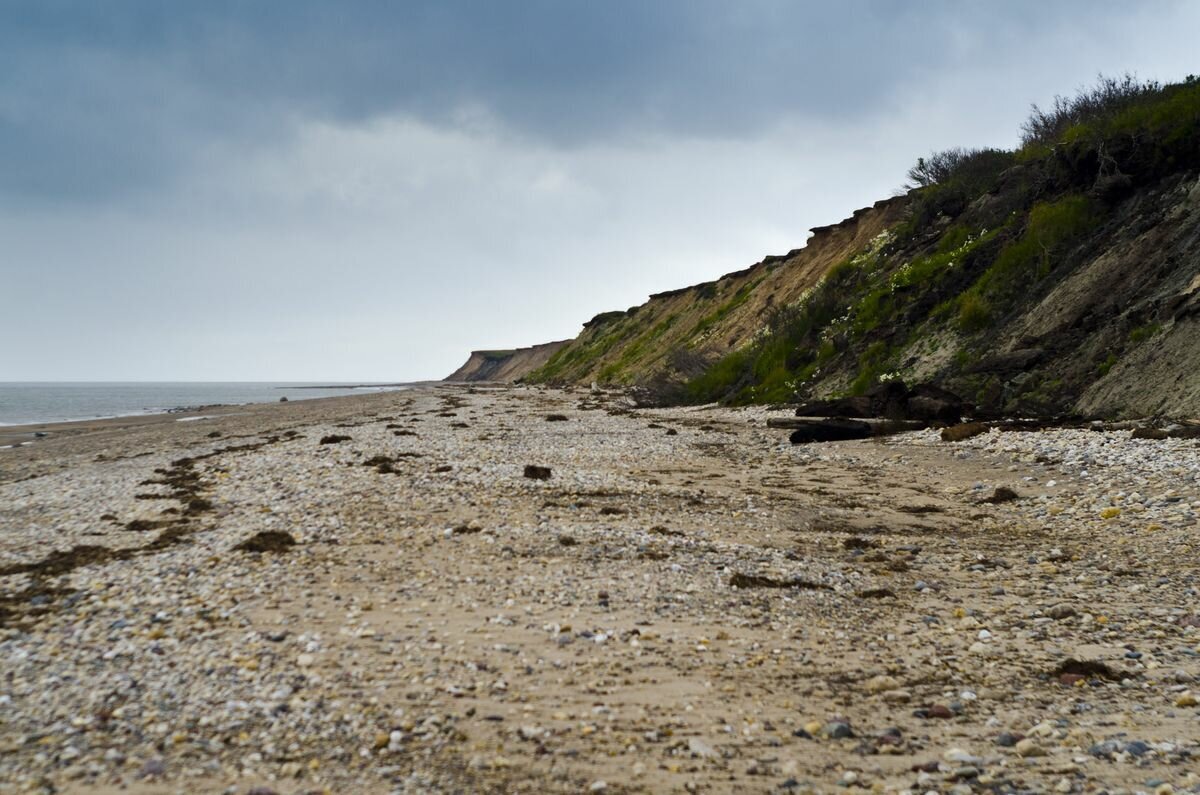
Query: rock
(1092, 669)
(1029, 747)
(878, 684)
(1002, 494)
(934, 409)
(1185, 700)
(1059, 612)
(1007, 739)
(897, 696)
(334, 438)
(940, 711)
(1136, 748)
(153, 768)
(894, 401)
(534, 472)
(283, 399)
(1105, 749)
(836, 730)
(890, 737)
(700, 748)
(962, 757)
(1010, 361)
(744, 581)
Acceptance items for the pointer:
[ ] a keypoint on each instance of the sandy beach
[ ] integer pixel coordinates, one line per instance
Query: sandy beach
(374, 594)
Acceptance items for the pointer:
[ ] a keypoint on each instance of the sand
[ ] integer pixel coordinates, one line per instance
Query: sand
(687, 604)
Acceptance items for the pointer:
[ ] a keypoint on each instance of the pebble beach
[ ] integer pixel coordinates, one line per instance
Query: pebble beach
(513, 589)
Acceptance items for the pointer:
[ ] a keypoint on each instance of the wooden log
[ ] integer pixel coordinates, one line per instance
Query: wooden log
(879, 427)
(836, 429)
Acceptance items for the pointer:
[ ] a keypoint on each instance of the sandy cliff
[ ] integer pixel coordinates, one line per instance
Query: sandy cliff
(505, 365)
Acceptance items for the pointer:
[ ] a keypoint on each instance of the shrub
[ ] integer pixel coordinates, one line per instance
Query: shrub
(967, 165)
(1143, 333)
(721, 379)
(949, 181)
(871, 364)
(974, 313)
(1105, 99)
(1052, 226)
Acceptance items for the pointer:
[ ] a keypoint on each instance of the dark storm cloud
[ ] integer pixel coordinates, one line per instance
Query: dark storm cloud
(100, 98)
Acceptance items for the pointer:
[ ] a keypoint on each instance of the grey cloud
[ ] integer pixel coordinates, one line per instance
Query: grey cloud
(360, 191)
(101, 98)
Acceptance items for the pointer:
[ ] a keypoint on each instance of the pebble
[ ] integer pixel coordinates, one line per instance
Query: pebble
(836, 730)
(1029, 747)
(878, 684)
(373, 641)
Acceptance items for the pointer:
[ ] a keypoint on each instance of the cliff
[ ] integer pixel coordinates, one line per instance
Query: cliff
(1059, 278)
(505, 365)
(675, 334)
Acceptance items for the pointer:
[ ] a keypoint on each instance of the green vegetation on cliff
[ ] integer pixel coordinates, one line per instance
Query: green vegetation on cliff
(986, 234)
(1027, 280)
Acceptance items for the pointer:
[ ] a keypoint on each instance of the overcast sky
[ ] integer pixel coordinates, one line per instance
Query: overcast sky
(368, 190)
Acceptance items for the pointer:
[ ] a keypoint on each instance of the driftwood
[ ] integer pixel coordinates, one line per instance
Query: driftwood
(806, 430)
(879, 427)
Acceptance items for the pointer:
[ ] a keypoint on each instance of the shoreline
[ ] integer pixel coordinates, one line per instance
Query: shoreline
(14, 434)
(687, 603)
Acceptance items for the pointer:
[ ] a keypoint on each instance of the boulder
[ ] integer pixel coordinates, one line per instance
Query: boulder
(893, 400)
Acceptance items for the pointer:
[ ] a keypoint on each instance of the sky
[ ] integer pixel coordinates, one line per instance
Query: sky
(366, 191)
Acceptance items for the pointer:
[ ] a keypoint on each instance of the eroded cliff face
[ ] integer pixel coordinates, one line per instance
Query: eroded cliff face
(505, 365)
(1060, 278)
(676, 334)
(1109, 326)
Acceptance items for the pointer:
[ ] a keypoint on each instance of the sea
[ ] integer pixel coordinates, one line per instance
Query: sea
(25, 403)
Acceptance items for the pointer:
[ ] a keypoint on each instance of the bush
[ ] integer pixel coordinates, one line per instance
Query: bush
(1143, 333)
(974, 313)
(1051, 228)
(729, 373)
(969, 165)
(1109, 96)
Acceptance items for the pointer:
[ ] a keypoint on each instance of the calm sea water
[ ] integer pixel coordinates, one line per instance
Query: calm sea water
(24, 403)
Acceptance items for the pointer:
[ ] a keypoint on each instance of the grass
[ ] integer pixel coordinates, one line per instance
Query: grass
(1143, 333)
(1050, 230)
(723, 311)
(981, 241)
(974, 313)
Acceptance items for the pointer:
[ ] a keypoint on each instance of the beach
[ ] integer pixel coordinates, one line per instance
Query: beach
(515, 589)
